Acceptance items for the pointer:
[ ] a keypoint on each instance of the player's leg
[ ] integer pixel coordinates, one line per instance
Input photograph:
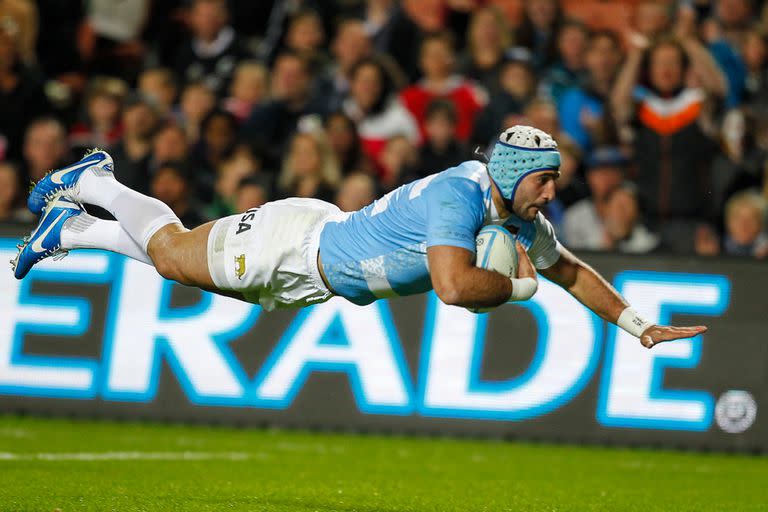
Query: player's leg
(87, 232)
(92, 181)
(182, 256)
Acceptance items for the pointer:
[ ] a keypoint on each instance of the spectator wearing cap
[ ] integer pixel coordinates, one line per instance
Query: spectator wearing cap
(672, 142)
(583, 221)
(517, 87)
(132, 154)
(488, 37)
(583, 113)
(213, 50)
(172, 185)
(437, 63)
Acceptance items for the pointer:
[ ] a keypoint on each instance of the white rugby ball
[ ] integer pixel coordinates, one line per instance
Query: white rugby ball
(495, 251)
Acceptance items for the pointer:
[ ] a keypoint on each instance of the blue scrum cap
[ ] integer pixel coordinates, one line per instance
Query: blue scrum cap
(520, 151)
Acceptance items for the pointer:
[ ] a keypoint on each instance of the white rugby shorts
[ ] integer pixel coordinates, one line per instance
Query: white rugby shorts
(269, 254)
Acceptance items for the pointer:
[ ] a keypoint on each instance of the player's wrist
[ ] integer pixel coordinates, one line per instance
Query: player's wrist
(523, 289)
(632, 322)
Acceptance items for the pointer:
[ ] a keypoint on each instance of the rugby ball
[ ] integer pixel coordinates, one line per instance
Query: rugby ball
(495, 250)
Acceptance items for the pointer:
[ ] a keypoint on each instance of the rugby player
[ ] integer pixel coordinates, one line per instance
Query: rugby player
(296, 252)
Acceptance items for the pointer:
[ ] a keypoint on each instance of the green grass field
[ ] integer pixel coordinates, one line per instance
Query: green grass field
(48, 465)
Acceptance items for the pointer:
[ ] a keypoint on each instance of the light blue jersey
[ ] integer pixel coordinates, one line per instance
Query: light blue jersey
(381, 250)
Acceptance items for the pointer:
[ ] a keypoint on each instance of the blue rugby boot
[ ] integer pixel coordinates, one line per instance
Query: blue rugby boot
(65, 180)
(45, 240)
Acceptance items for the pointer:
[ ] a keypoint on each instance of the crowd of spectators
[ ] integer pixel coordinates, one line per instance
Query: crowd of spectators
(217, 106)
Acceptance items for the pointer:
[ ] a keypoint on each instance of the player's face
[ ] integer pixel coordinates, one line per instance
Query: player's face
(533, 193)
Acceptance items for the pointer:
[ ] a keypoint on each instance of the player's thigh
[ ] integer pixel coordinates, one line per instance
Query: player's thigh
(182, 255)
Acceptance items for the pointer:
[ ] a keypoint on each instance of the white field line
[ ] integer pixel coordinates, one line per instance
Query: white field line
(122, 456)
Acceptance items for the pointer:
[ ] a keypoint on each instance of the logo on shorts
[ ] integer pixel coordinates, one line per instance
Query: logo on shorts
(240, 266)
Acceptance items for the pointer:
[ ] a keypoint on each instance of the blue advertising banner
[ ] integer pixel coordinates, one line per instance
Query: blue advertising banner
(99, 335)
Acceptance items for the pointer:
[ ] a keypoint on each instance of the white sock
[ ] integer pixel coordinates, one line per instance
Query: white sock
(87, 232)
(141, 216)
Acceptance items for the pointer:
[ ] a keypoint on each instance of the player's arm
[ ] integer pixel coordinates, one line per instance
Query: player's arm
(589, 288)
(458, 282)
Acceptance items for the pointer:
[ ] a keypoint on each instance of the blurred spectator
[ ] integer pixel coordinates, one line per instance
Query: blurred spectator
(273, 123)
(570, 69)
(45, 147)
(241, 163)
(350, 45)
(745, 225)
(171, 184)
(57, 51)
(541, 114)
(667, 120)
(706, 242)
(310, 168)
(12, 208)
(213, 50)
(252, 192)
(398, 159)
(218, 137)
(356, 191)
(583, 113)
(539, 29)
(160, 86)
(622, 227)
(22, 98)
(304, 35)
(438, 63)
(441, 150)
(583, 221)
(132, 155)
(755, 53)
(343, 138)
(110, 38)
(652, 18)
(379, 115)
(741, 162)
(379, 17)
(23, 15)
(488, 37)
(735, 18)
(249, 88)
(196, 102)
(169, 144)
(101, 124)
(517, 87)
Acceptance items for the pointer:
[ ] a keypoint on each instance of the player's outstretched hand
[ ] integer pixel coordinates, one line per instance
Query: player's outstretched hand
(655, 334)
(525, 266)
